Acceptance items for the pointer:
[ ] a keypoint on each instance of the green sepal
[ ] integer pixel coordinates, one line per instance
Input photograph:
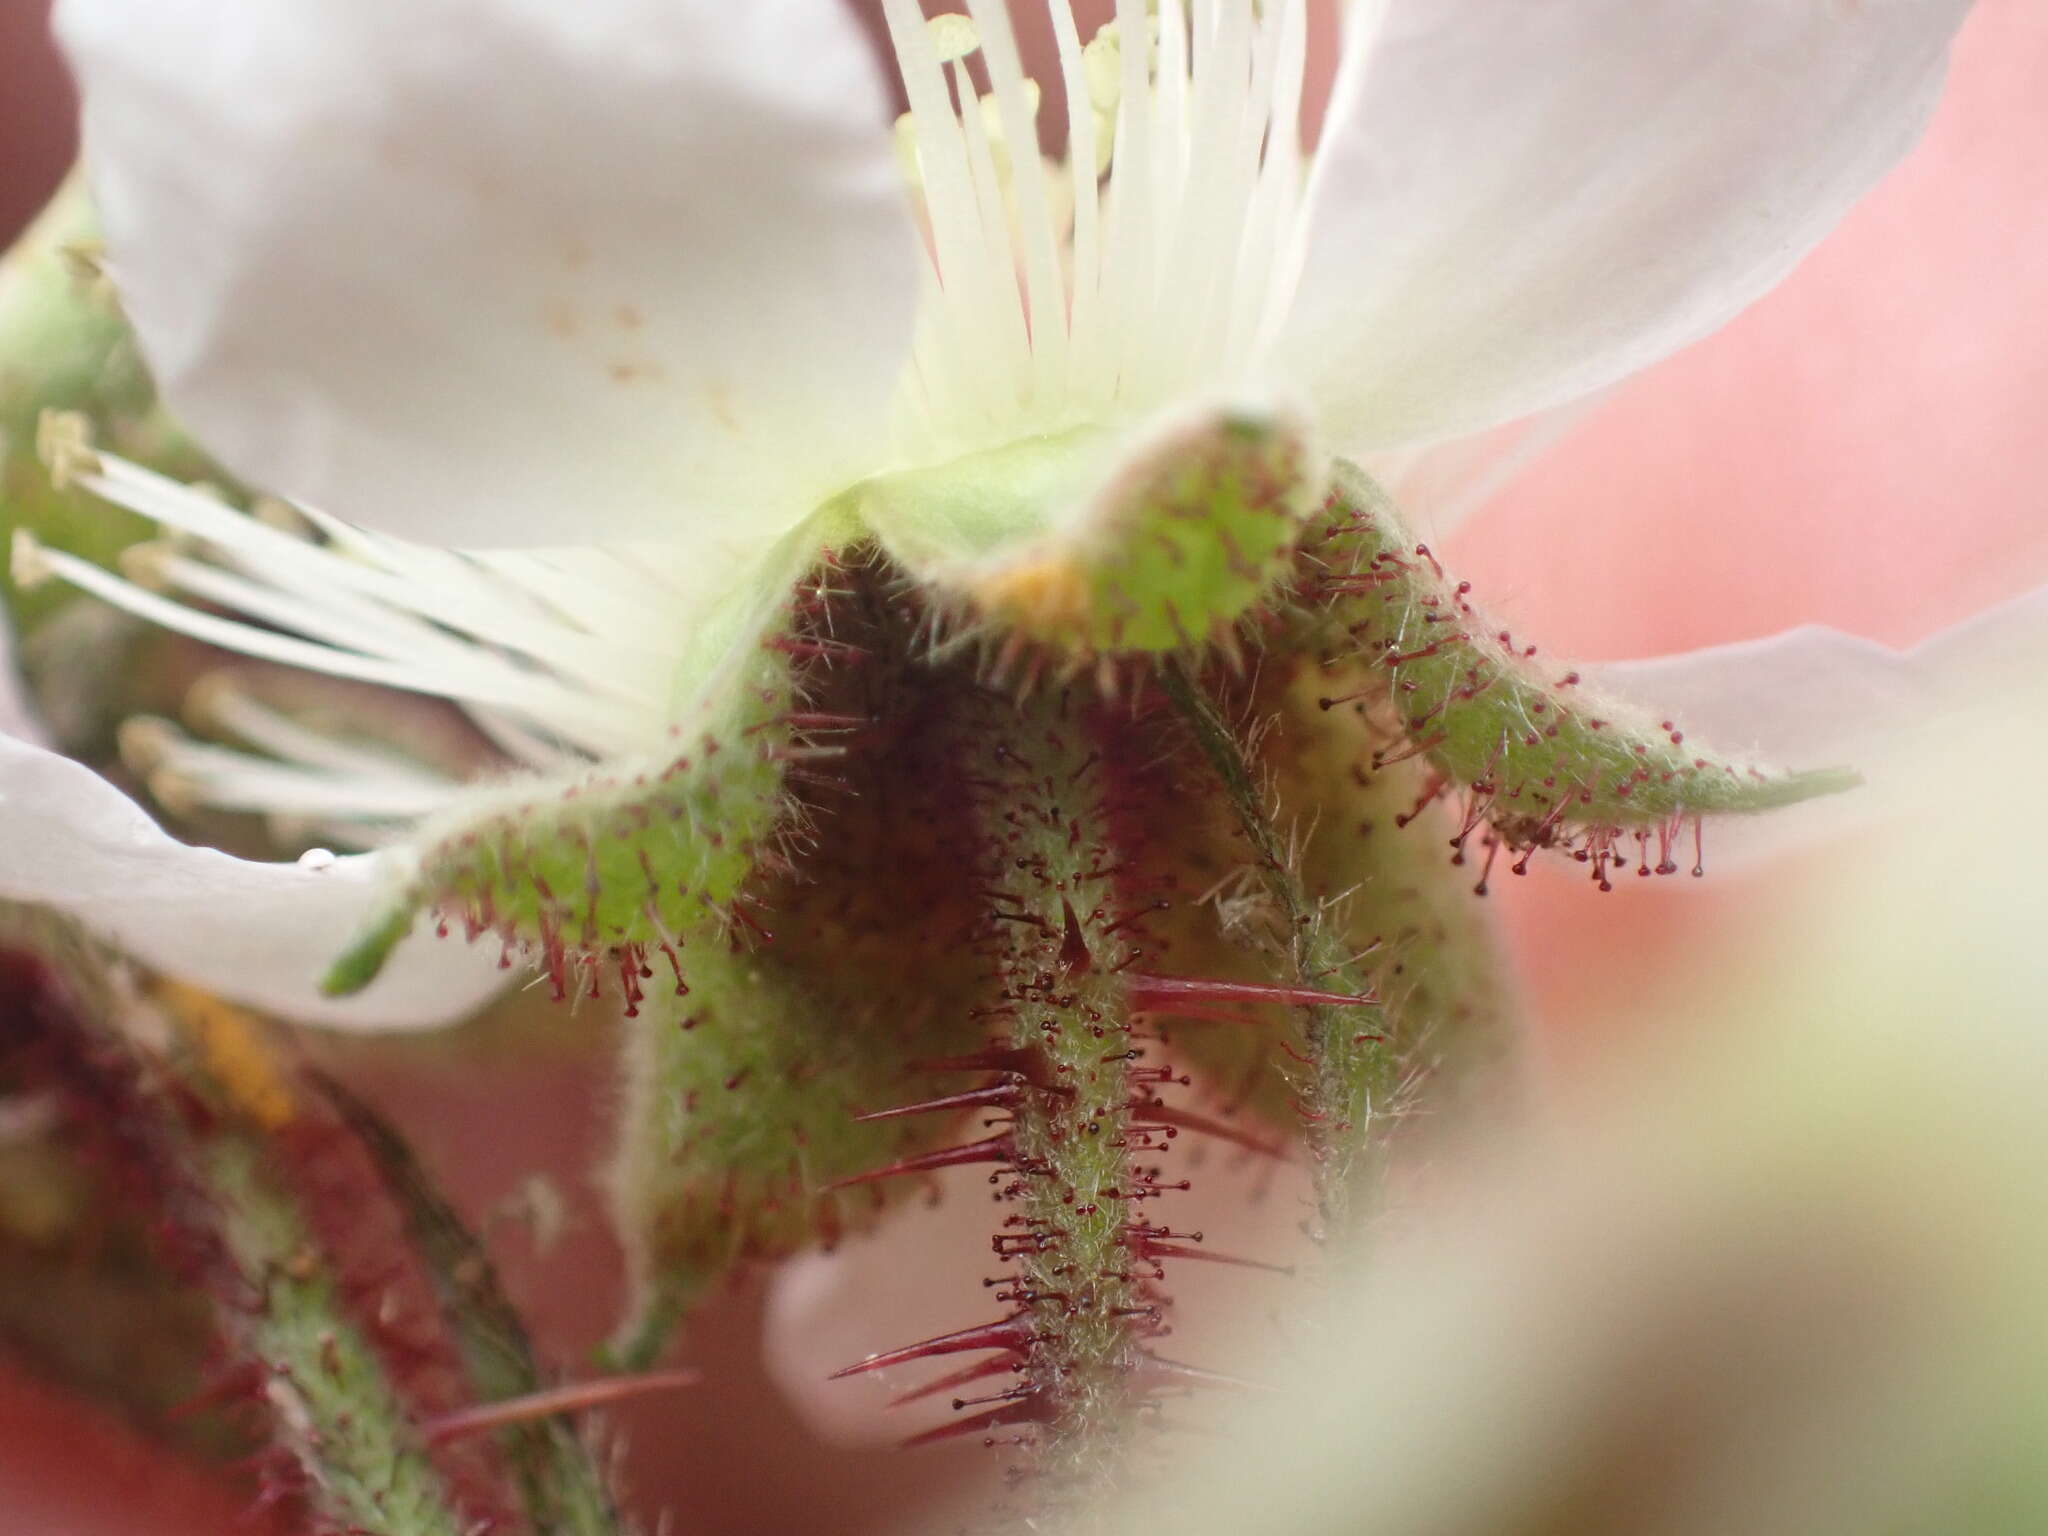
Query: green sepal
(1550, 763)
(1362, 902)
(739, 1108)
(630, 859)
(870, 970)
(632, 856)
(65, 346)
(1379, 887)
(1402, 899)
(1093, 547)
(624, 860)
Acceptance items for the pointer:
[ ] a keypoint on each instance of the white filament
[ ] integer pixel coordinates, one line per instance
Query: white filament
(1176, 265)
(553, 653)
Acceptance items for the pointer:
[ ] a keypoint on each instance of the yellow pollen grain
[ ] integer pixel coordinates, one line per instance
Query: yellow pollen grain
(232, 1047)
(1046, 596)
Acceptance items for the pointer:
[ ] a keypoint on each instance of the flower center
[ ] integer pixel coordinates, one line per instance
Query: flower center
(1150, 266)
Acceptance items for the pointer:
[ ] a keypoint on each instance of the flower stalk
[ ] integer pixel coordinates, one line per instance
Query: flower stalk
(1077, 1241)
(1349, 1083)
(551, 1464)
(251, 1172)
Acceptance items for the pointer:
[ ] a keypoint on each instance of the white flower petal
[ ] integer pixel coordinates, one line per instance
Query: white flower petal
(262, 934)
(509, 271)
(1516, 203)
(17, 715)
(1439, 486)
(1816, 698)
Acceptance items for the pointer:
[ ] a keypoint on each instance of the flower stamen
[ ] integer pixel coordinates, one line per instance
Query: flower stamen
(1152, 264)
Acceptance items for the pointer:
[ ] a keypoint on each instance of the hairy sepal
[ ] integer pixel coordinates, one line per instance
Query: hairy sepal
(1213, 917)
(1079, 1194)
(1544, 763)
(1092, 547)
(1375, 887)
(739, 1102)
(740, 1110)
(614, 867)
(1387, 878)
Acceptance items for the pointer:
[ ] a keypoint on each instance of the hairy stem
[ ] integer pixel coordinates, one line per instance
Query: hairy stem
(1080, 1247)
(1350, 1083)
(333, 1409)
(557, 1478)
(206, 1132)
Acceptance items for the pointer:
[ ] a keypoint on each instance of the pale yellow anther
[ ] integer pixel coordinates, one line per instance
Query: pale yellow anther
(210, 701)
(64, 444)
(146, 742)
(992, 127)
(952, 36)
(147, 564)
(1102, 66)
(176, 791)
(273, 512)
(26, 563)
(992, 114)
(991, 110)
(85, 261)
(904, 138)
(1105, 141)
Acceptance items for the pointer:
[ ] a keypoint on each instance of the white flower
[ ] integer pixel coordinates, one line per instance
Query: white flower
(626, 298)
